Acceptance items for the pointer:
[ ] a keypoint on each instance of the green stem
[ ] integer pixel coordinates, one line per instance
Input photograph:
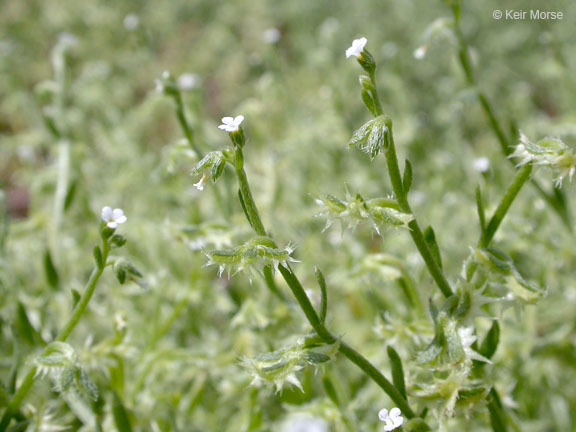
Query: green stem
(350, 353)
(519, 180)
(181, 114)
(298, 291)
(402, 198)
(79, 310)
(557, 204)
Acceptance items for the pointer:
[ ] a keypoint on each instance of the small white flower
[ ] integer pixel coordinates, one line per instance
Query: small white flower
(271, 36)
(393, 419)
(481, 164)
(230, 124)
(131, 22)
(200, 184)
(356, 48)
(113, 218)
(188, 81)
(420, 52)
(305, 424)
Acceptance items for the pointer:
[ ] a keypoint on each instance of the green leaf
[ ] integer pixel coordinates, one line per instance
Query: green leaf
(480, 209)
(316, 358)
(50, 271)
(497, 417)
(397, 371)
(25, 328)
(490, 342)
(98, 257)
(323, 292)
(430, 238)
(70, 195)
(369, 102)
(407, 180)
(330, 390)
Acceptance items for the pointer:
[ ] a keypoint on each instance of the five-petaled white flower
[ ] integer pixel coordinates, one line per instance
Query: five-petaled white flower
(356, 48)
(393, 419)
(230, 124)
(113, 218)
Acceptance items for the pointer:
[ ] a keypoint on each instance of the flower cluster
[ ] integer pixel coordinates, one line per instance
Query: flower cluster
(549, 152)
(256, 253)
(379, 211)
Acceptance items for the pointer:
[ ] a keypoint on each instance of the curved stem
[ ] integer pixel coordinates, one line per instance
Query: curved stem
(79, 310)
(295, 286)
(402, 198)
(519, 180)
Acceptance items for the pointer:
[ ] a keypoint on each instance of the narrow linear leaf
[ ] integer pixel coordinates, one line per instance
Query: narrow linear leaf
(397, 371)
(430, 238)
(70, 195)
(330, 390)
(369, 102)
(407, 180)
(50, 270)
(497, 419)
(243, 204)
(98, 257)
(121, 417)
(26, 330)
(75, 297)
(480, 208)
(324, 295)
(490, 342)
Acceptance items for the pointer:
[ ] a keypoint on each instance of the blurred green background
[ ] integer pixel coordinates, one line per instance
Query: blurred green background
(282, 65)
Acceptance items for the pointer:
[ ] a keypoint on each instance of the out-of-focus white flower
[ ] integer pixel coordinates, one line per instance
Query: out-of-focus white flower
(113, 218)
(67, 40)
(305, 424)
(481, 164)
(420, 52)
(230, 124)
(200, 184)
(188, 81)
(271, 35)
(131, 22)
(393, 419)
(356, 48)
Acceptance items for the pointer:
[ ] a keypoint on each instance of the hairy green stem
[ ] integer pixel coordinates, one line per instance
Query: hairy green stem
(79, 310)
(188, 133)
(553, 200)
(402, 198)
(298, 291)
(520, 179)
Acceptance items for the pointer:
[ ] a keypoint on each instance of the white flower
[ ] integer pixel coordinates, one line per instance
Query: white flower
(200, 184)
(230, 124)
(272, 35)
(188, 81)
(131, 22)
(113, 218)
(420, 52)
(481, 164)
(305, 424)
(356, 48)
(393, 419)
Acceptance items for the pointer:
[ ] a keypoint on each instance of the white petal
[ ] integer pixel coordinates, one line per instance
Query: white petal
(395, 412)
(106, 213)
(383, 414)
(227, 120)
(112, 224)
(224, 127)
(238, 120)
(122, 219)
(117, 213)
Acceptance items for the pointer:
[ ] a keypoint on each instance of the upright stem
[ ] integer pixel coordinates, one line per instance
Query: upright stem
(298, 291)
(557, 204)
(402, 198)
(519, 180)
(79, 310)
(188, 133)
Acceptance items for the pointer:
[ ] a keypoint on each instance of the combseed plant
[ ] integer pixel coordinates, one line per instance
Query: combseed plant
(379, 238)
